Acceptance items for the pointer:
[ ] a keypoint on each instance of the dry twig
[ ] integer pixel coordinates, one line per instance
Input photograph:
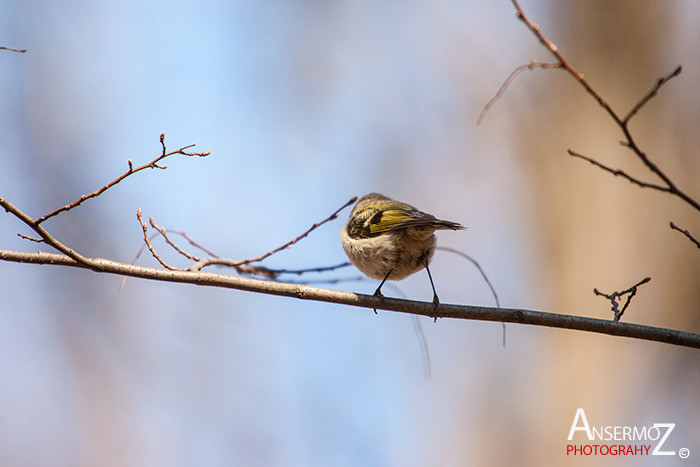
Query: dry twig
(486, 279)
(31, 239)
(151, 165)
(274, 273)
(668, 185)
(241, 266)
(181, 233)
(148, 242)
(14, 50)
(616, 296)
(618, 172)
(686, 233)
(164, 233)
(533, 64)
(236, 264)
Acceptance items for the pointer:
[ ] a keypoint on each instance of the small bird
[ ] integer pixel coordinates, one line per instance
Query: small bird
(390, 240)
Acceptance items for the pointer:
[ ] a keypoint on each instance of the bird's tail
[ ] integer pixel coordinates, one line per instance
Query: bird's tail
(439, 224)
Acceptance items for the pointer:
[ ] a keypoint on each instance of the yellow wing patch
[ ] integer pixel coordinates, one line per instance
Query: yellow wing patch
(393, 219)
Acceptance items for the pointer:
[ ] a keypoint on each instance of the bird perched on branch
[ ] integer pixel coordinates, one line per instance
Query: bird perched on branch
(390, 240)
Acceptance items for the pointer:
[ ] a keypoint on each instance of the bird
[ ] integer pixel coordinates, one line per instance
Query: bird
(390, 240)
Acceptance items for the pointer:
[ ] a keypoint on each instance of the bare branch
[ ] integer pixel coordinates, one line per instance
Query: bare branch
(651, 94)
(509, 79)
(235, 264)
(46, 237)
(151, 165)
(274, 273)
(615, 296)
(475, 263)
(14, 50)
(618, 172)
(241, 266)
(71, 258)
(305, 292)
(180, 233)
(192, 242)
(148, 242)
(483, 274)
(562, 60)
(269, 273)
(299, 272)
(164, 233)
(621, 122)
(686, 233)
(31, 239)
(295, 240)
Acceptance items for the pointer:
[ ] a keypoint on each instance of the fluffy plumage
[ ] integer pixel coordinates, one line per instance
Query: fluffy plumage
(390, 240)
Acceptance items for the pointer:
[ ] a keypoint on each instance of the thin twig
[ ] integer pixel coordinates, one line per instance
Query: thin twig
(274, 273)
(481, 271)
(148, 242)
(509, 79)
(335, 280)
(138, 255)
(151, 165)
(562, 60)
(483, 274)
(637, 107)
(164, 233)
(308, 231)
(615, 296)
(618, 172)
(621, 122)
(418, 330)
(31, 239)
(14, 50)
(299, 272)
(686, 233)
(193, 243)
(44, 234)
(245, 268)
(423, 344)
(206, 262)
(144, 246)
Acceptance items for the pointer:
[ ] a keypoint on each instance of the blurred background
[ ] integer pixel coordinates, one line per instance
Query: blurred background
(304, 105)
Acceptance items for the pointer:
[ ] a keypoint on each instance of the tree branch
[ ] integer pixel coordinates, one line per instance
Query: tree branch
(72, 259)
(14, 50)
(617, 172)
(305, 292)
(615, 296)
(236, 264)
(686, 233)
(622, 122)
(651, 94)
(533, 64)
(144, 227)
(151, 165)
